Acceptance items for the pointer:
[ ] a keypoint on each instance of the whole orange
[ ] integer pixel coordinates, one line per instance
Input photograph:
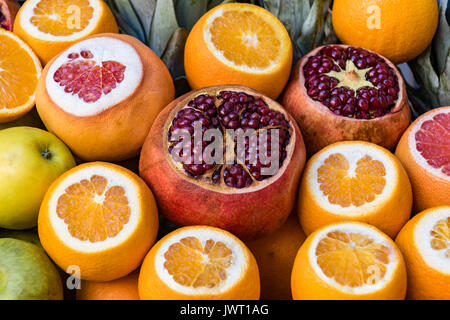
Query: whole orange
(125, 288)
(275, 255)
(398, 29)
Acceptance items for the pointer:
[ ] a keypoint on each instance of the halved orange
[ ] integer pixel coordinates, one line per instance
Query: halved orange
(425, 244)
(99, 217)
(348, 260)
(20, 70)
(424, 151)
(356, 181)
(238, 43)
(199, 263)
(50, 26)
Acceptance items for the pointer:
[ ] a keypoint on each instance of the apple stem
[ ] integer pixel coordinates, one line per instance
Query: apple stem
(46, 154)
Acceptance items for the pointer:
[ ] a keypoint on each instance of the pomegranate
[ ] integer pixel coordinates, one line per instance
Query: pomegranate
(8, 11)
(340, 92)
(240, 196)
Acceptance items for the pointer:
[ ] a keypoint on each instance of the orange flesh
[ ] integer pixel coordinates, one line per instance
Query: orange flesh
(246, 39)
(440, 236)
(61, 18)
(18, 77)
(352, 259)
(193, 264)
(346, 189)
(93, 211)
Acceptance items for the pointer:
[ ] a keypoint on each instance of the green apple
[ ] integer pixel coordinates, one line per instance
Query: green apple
(26, 273)
(30, 160)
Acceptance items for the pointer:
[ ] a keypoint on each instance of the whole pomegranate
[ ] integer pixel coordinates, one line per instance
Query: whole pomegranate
(244, 194)
(340, 92)
(8, 12)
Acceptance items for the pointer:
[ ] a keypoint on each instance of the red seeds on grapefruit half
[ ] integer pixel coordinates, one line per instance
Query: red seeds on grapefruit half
(84, 77)
(424, 151)
(102, 94)
(433, 142)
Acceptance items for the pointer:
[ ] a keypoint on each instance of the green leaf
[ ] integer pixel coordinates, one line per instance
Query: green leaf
(441, 40)
(125, 26)
(173, 56)
(164, 25)
(215, 3)
(145, 10)
(189, 11)
(313, 25)
(127, 13)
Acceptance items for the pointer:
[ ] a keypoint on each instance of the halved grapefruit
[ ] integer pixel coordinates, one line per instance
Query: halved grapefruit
(424, 151)
(101, 96)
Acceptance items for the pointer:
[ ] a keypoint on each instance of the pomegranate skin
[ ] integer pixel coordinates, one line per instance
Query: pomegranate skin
(248, 215)
(321, 127)
(8, 9)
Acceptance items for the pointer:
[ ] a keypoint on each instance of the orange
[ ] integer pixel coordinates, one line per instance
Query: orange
(125, 288)
(347, 261)
(424, 151)
(425, 244)
(20, 70)
(239, 43)
(275, 256)
(50, 26)
(99, 219)
(199, 263)
(356, 181)
(400, 30)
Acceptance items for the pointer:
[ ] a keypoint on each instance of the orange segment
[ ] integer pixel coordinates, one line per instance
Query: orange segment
(192, 264)
(354, 181)
(49, 26)
(199, 263)
(19, 73)
(59, 19)
(348, 261)
(246, 39)
(343, 189)
(239, 43)
(100, 217)
(90, 212)
(440, 236)
(425, 244)
(352, 259)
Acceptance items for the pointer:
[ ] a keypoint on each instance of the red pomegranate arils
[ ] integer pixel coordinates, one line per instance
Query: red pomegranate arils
(330, 72)
(86, 78)
(235, 110)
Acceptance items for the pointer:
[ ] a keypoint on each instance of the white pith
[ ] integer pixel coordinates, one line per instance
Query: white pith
(436, 259)
(353, 153)
(234, 272)
(28, 13)
(412, 144)
(103, 49)
(38, 68)
(114, 178)
(219, 54)
(366, 231)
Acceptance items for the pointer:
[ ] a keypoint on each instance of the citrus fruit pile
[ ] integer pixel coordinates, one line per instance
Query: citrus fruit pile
(259, 183)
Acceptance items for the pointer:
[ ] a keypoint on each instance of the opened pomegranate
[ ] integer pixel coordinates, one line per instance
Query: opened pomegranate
(8, 11)
(247, 195)
(341, 92)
